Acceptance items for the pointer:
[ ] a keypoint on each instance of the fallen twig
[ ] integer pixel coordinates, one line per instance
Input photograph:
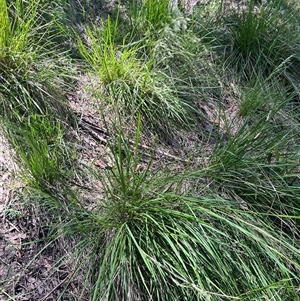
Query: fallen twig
(101, 135)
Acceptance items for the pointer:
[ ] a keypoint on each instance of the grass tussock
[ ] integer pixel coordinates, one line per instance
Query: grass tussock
(222, 82)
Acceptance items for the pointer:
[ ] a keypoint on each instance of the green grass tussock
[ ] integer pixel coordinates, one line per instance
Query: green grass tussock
(29, 81)
(218, 221)
(148, 243)
(132, 82)
(40, 145)
(264, 40)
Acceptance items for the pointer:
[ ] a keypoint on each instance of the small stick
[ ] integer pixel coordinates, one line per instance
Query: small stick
(92, 129)
(54, 289)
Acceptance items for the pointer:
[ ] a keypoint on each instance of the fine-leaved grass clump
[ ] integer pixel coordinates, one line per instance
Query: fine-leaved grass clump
(223, 224)
(210, 242)
(33, 107)
(131, 82)
(264, 39)
(5, 28)
(259, 166)
(147, 242)
(27, 73)
(41, 150)
(150, 14)
(261, 95)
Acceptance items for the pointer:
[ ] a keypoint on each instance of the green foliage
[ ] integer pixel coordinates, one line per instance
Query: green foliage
(265, 40)
(227, 227)
(132, 83)
(31, 101)
(261, 96)
(110, 61)
(259, 165)
(41, 150)
(148, 242)
(4, 25)
(26, 30)
(29, 65)
(150, 14)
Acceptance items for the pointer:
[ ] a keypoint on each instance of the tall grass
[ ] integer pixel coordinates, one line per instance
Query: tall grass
(226, 228)
(42, 151)
(265, 39)
(147, 242)
(234, 239)
(5, 30)
(130, 81)
(152, 14)
(28, 77)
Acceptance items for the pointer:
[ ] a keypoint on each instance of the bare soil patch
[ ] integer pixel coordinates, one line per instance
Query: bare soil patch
(27, 265)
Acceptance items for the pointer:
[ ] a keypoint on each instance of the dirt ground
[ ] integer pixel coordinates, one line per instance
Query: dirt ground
(22, 268)
(29, 265)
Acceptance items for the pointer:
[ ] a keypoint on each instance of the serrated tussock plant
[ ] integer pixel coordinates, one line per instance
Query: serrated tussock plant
(41, 150)
(150, 14)
(28, 76)
(129, 81)
(145, 241)
(263, 37)
(258, 167)
(261, 95)
(4, 27)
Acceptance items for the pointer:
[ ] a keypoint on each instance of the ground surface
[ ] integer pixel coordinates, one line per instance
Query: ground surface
(25, 271)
